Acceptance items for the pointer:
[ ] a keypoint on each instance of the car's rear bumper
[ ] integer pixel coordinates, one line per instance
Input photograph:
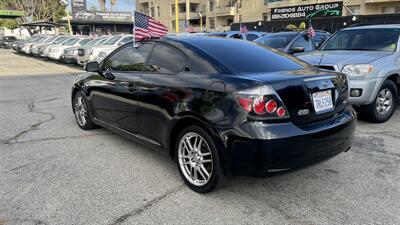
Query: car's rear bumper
(280, 147)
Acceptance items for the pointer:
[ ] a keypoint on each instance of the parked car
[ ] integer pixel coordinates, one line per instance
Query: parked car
(293, 42)
(44, 41)
(249, 36)
(56, 51)
(18, 45)
(369, 56)
(6, 41)
(44, 50)
(85, 53)
(92, 52)
(27, 46)
(217, 105)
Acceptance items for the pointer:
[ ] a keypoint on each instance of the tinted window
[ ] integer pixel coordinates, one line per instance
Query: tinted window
(166, 59)
(252, 37)
(248, 57)
(237, 36)
(128, 59)
(276, 40)
(304, 41)
(59, 40)
(364, 39)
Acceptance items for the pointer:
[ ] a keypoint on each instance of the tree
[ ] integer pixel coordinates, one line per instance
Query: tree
(9, 23)
(36, 10)
(113, 3)
(49, 10)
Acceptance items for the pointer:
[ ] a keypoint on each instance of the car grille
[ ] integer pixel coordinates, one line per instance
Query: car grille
(332, 68)
(81, 52)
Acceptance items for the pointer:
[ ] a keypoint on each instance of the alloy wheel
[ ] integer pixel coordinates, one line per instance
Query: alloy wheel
(195, 159)
(80, 110)
(384, 101)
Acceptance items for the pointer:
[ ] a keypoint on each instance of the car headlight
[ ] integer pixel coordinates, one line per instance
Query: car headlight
(359, 70)
(89, 51)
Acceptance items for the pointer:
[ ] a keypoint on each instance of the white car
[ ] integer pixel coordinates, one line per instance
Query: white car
(56, 51)
(44, 48)
(91, 53)
(85, 53)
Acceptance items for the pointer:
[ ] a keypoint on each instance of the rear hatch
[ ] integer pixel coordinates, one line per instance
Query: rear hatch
(310, 95)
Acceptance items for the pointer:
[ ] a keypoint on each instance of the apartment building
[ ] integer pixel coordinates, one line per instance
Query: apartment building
(219, 14)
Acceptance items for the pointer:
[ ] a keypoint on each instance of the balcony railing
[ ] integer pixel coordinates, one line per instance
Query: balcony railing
(225, 11)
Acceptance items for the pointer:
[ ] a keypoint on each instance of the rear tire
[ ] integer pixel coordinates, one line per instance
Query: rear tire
(384, 105)
(198, 160)
(82, 112)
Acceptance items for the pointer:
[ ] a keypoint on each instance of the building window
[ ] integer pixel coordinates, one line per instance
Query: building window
(211, 6)
(354, 9)
(212, 23)
(265, 16)
(152, 12)
(240, 18)
(173, 9)
(158, 11)
(390, 10)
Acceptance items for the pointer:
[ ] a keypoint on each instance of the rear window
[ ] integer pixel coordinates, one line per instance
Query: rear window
(277, 40)
(247, 57)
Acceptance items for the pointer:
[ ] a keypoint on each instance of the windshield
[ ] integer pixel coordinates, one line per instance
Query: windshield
(59, 40)
(276, 40)
(112, 40)
(95, 41)
(364, 39)
(48, 40)
(84, 42)
(71, 41)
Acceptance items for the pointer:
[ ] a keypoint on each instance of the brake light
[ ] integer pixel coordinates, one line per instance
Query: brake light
(281, 112)
(262, 103)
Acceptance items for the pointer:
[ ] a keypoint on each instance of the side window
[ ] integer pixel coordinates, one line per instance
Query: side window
(166, 60)
(128, 59)
(304, 42)
(237, 36)
(320, 38)
(252, 37)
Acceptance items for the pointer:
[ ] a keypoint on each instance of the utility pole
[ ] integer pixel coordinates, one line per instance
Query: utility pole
(176, 17)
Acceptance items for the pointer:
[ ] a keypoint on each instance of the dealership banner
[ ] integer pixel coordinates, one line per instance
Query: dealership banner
(102, 10)
(307, 11)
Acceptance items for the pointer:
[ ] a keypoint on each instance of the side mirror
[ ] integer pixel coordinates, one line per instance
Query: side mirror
(92, 66)
(297, 49)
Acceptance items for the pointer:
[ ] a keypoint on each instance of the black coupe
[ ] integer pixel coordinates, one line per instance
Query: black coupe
(218, 106)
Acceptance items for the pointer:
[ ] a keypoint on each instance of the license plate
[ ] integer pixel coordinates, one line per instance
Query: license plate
(322, 100)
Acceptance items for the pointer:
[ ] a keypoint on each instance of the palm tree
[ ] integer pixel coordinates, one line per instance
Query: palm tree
(113, 3)
(102, 5)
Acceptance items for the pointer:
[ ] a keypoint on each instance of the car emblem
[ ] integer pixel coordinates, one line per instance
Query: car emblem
(325, 84)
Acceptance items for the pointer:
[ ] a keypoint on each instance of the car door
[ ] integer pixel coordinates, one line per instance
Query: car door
(114, 96)
(160, 91)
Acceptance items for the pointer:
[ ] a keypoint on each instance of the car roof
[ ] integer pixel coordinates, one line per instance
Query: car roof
(379, 26)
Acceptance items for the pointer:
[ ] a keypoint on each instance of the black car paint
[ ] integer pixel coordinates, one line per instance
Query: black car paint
(152, 108)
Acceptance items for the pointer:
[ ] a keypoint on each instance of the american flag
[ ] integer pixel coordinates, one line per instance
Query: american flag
(243, 28)
(147, 27)
(311, 32)
(189, 28)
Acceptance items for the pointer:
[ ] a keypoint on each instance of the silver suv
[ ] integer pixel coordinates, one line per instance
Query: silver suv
(370, 57)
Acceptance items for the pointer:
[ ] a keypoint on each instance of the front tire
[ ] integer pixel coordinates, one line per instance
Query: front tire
(198, 160)
(384, 105)
(82, 112)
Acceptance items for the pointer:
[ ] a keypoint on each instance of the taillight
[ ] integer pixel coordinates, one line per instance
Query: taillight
(262, 103)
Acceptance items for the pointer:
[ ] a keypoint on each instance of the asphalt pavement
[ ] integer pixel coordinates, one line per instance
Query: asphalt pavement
(51, 172)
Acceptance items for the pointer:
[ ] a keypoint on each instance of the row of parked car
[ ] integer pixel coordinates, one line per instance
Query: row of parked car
(70, 49)
(368, 55)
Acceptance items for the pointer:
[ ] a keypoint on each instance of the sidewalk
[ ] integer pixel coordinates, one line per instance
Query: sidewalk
(12, 64)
